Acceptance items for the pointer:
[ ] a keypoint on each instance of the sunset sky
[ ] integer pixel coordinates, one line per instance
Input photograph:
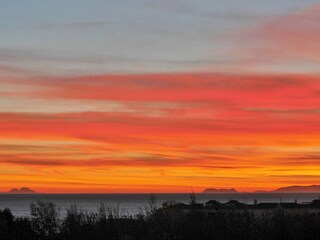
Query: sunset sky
(149, 96)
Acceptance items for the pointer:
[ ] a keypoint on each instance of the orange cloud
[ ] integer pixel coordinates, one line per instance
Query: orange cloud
(196, 130)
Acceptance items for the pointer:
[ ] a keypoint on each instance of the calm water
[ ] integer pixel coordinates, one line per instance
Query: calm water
(136, 203)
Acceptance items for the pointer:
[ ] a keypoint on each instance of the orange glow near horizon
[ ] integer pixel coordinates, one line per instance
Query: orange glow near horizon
(164, 133)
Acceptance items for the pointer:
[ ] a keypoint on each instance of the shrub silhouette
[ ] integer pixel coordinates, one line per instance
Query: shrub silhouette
(44, 219)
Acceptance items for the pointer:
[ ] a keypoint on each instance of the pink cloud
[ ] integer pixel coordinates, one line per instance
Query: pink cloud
(294, 36)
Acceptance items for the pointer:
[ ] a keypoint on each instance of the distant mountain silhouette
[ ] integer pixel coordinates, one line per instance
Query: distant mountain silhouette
(299, 189)
(219, 190)
(23, 190)
(287, 189)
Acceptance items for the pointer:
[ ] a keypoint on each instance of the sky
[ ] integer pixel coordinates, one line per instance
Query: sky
(152, 96)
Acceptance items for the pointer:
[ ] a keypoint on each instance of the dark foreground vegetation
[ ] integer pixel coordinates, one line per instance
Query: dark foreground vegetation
(155, 224)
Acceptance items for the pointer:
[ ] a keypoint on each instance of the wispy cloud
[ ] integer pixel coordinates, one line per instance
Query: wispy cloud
(74, 25)
(197, 129)
(292, 37)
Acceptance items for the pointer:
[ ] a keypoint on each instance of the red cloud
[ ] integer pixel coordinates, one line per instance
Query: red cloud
(202, 125)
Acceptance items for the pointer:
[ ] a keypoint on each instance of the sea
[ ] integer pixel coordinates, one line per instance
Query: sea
(133, 204)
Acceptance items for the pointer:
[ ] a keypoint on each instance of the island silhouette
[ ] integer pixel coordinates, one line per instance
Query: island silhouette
(298, 189)
(23, 190)
(288, 189)
(220, 190)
